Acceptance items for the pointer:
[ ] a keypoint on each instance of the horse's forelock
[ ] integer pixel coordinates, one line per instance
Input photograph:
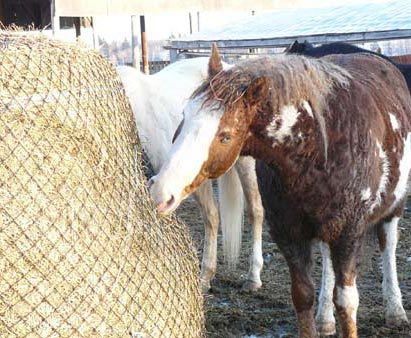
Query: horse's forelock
(224, 89)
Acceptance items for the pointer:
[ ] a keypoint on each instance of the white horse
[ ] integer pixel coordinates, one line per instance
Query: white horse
(157, 102)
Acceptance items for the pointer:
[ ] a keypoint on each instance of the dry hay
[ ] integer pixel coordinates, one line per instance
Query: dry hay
(81, 251)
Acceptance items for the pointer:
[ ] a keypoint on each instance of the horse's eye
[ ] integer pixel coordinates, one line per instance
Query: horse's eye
(225, 138)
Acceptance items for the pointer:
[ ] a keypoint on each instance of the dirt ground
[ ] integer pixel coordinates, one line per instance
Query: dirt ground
(269, 312)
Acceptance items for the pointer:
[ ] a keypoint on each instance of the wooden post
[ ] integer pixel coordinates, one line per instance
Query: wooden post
(55, 19)
(95, 34)
(191, 26)
(135, 55)
(144, 47)
(2, 20)
(77, 26)
(173, 55)
(198, 21)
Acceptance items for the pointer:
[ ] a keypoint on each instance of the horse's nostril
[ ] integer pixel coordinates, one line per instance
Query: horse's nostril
(150, 182)
(171, 200)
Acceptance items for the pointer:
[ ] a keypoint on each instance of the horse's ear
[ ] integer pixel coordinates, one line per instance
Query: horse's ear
(214, 64)
(292, 48)
(257, 90)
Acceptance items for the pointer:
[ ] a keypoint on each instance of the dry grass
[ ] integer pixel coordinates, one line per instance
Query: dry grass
(81, 251)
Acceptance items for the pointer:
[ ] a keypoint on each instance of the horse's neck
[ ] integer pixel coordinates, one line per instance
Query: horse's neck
(158, 102)
(287, 138)
(181, 80)
(152, 115)
(290, 119)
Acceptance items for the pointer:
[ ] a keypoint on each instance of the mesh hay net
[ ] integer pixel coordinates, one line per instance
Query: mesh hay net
(82, 254)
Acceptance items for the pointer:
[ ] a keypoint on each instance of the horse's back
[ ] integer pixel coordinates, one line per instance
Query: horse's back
(365, 64)
(198, 66)
(375, 73)
(345, 48)
(368, 128)
(333, 48)
(377, 116)
(377, 95)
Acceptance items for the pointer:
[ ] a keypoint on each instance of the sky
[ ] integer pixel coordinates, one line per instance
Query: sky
(160, 26)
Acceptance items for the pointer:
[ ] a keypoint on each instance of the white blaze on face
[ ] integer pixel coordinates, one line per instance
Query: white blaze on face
(394, 122)
(188, 153)
(289, 117)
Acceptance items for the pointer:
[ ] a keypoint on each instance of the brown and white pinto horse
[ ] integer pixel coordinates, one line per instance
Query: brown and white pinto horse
(333, 139)
(392, 294)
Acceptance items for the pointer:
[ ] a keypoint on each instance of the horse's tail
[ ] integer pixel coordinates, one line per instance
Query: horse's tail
(231, 203)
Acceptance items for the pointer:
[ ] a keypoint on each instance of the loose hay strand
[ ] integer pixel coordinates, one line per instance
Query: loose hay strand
(82, 254)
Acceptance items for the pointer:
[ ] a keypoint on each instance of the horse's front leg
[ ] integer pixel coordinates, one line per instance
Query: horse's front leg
(205, 198)
(246, 170)
(299, 260)
(345, 256)
(325, 313)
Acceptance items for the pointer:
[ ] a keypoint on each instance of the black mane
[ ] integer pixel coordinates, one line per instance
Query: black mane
(306, 48)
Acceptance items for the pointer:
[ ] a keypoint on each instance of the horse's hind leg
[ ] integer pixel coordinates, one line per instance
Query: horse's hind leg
(388, 237)
(299, 260)
(247, 174)
(205, 198)
(325, 313)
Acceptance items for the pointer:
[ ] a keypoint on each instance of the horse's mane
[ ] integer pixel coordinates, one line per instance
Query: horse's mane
(290, 79)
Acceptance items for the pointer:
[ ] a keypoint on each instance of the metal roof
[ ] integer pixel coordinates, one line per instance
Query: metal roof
(367, 21)
(109, 7)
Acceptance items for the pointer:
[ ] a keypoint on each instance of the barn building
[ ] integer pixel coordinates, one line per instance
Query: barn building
(386, 25)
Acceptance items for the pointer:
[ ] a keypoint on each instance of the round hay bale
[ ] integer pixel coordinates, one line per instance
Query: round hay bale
(81, 251)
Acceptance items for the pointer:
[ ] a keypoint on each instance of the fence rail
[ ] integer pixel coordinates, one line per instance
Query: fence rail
(154, 66)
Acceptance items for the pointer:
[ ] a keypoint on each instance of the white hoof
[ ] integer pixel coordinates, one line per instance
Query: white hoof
(326, 329)
(205, 286)
(251, 286)
(396, 319)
